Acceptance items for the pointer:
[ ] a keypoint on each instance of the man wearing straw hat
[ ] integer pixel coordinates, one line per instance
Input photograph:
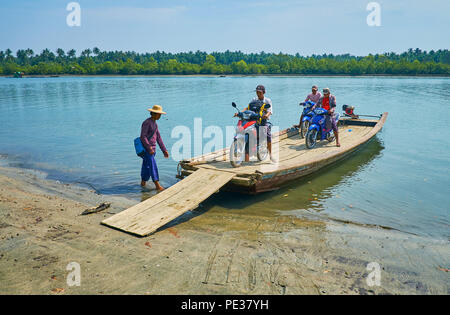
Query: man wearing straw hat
(149, 136)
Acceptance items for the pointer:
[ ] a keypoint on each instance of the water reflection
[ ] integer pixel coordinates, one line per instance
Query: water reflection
(305, 193)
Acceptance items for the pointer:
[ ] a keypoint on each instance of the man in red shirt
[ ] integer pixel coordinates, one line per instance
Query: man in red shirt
(328, 102)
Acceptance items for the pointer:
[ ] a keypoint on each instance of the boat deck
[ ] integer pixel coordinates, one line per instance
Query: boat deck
(291, 150)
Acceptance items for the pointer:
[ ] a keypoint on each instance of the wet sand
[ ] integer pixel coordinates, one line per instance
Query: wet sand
(203, 252)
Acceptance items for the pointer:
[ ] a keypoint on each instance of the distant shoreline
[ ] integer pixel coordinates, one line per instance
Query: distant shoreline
(231, 75)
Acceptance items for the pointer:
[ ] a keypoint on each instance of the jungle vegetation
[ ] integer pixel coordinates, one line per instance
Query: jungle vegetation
(95, 61)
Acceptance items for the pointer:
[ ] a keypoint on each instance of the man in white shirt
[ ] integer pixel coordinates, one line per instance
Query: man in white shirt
(260, 91)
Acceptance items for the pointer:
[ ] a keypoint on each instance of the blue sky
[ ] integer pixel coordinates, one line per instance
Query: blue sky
(290, 26)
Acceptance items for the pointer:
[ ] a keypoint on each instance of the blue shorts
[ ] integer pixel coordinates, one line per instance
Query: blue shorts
(149, 167)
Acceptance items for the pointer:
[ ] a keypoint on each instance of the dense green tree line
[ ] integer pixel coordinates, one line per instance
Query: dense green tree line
(95, 61)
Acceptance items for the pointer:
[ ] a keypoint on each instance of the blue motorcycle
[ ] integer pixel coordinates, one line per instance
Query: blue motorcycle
(307, 115)
(317, 130)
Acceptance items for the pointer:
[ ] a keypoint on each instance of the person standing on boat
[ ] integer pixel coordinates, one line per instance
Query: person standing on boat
(260, 96)
(328, 102)
(314, 97)
(149, 136)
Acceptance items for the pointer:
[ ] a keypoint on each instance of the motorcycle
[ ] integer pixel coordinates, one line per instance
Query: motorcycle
(246, 140)
(317, 129)
(307, 116)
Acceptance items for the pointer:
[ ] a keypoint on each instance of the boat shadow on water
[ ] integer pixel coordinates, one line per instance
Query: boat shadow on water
(293, 195)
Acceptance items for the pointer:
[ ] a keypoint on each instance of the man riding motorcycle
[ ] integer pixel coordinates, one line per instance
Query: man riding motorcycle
(314, 96)
(263, 106)
(328, 102)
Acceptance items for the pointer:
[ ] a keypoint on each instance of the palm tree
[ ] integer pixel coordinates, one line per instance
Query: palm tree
(60, 53)
(8, 55)
(21, 56)
(71, 53)
(47, 55)
(86, 53)
(29, 52)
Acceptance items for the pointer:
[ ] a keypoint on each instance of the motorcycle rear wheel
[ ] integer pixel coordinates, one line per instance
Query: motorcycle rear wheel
(331, 137)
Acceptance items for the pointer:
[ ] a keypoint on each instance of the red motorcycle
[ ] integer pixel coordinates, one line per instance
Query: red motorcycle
(246, 140)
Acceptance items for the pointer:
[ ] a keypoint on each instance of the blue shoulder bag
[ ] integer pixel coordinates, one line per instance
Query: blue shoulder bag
(140, 150)
(139, 147)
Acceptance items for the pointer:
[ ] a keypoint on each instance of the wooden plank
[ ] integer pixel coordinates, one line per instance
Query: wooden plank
(149, 215)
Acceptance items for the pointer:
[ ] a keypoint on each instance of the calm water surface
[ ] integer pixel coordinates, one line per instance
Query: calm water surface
(81, 130)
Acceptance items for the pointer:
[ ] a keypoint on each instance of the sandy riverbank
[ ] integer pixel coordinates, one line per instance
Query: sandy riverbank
(41, 232)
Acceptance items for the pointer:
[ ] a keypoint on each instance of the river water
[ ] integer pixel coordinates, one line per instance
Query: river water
(81, 130)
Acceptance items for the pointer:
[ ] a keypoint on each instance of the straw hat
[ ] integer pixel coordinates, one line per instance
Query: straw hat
(156, 109)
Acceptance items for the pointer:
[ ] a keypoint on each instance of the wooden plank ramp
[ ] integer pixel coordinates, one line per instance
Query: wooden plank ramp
(149, 215)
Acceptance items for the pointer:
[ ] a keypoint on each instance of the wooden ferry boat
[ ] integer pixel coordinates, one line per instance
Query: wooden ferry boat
(294, 159)
(204, 175)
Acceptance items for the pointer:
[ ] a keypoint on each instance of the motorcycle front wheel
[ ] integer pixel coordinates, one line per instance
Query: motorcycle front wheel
(311, 138)
(237, 152)
(304, 128)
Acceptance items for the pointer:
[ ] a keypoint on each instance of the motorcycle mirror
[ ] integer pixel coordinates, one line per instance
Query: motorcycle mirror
(233, 104)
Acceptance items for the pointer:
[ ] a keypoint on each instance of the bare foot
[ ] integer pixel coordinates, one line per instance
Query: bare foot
(143, 183)
(158, 186)
(338, 144)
